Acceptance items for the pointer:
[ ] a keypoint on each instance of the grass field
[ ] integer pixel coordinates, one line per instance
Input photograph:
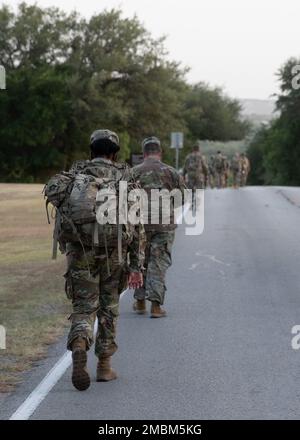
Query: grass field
(33, 307)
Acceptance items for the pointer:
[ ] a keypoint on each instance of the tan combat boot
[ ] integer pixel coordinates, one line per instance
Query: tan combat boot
(104, 371)
(80, 376)
(139, 306)
(157, 311)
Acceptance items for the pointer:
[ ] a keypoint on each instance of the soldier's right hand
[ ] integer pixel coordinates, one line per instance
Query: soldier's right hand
(135, 280)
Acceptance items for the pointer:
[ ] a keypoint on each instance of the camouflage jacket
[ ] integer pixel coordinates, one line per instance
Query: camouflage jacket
(105, 168)
(195, 165)
(153, 174)
(221, 163)
(245, 165)
(236, 164)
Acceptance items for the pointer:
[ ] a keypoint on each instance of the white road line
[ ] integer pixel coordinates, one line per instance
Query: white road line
(35, 398)
(40, 392)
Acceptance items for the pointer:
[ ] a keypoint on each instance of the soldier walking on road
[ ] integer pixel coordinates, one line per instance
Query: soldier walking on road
(227, 172)
(211, 172)
(245, 169)
(195, 169)
(221, 169)
(236, 170)
(154, 174)
(98, 267)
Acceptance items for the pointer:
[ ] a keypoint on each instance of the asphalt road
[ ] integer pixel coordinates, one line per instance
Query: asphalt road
(224, 351)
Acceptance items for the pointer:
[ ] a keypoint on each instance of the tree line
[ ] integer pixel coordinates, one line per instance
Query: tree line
(275, 149)
(67, 75)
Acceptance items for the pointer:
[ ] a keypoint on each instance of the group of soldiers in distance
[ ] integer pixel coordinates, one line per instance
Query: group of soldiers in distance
(216, 171)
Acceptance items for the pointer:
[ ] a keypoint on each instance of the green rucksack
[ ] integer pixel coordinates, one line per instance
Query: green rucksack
(74, 197)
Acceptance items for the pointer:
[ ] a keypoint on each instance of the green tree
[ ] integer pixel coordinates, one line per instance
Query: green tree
(212, 115)
(278, 146)
(67, 76)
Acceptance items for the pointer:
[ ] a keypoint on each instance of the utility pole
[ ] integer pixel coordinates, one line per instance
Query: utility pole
(177, 144)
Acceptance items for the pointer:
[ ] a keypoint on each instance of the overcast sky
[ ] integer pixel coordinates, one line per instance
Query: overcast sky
(237, 44)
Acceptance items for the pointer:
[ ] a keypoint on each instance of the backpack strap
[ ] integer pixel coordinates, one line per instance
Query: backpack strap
(76, 233)
(120, 256)
(106, 252)
(96, 235)
(96, 244)
(56, 234)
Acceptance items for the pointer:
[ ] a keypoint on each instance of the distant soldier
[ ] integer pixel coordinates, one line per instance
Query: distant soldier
(97, 255)
(154, 174)
(236, 170)
(227, 172)
(221, 167)
(211, 172)
(195, 169)
(245, 169)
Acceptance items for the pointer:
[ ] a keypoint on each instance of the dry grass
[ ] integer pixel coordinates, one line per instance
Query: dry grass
(33, 307)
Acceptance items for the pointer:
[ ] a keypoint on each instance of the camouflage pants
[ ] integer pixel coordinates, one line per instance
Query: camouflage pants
(157, 260)
(244, 176)
(220, 179)
(236, 178)
(211, 180)
(94, 292)
(198, 182)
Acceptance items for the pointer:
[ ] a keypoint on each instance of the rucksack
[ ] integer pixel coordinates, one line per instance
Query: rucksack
(194, 164)
(74, 197)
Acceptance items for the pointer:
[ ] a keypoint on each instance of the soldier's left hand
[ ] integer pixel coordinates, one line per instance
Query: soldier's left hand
(135, 280)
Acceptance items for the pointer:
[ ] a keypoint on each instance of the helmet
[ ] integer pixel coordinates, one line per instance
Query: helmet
(152, 140)
(104, 143)
(105, 134)
(196, 146)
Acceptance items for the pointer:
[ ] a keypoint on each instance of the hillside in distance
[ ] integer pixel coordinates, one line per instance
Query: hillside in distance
(258, 110)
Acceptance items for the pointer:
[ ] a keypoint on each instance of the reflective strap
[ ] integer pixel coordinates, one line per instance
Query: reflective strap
(55, 235)
(48, 218)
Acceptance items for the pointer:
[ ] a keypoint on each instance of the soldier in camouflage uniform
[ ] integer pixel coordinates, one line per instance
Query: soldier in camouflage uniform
(221, 166)
(227, 172)
(154, 174)
(236, 170)
(95, 278)
(211, 172)
(195, 169)
(245, 168)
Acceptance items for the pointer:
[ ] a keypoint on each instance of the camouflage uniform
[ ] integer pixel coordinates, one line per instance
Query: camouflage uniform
(236, 170)
(153, 173)
(245, 169)
(227, 171)
(95, 278)
(221, 166)
(196, 169)
(157, 260)
(211, 172)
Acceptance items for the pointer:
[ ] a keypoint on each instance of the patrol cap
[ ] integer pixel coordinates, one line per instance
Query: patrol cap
(151, 143)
